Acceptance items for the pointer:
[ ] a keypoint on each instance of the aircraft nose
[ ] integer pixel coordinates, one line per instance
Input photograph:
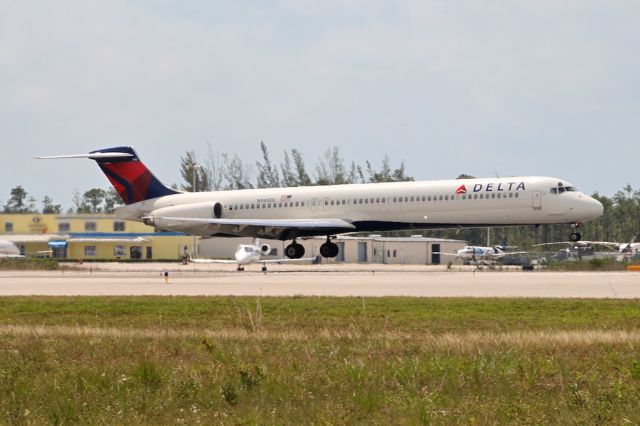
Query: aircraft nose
(594, 207)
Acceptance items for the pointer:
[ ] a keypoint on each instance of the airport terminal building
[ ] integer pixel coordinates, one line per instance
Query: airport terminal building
(90, 237)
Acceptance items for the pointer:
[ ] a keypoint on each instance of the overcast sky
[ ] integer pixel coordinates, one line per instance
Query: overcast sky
(493, 87)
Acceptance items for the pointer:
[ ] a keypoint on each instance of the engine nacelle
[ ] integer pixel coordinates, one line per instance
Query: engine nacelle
(265, 249)
(211, 210)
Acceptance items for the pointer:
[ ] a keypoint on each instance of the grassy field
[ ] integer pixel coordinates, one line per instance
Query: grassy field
(318, 361)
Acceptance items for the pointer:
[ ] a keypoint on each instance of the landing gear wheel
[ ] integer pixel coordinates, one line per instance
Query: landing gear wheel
(575, 237)
(264, 268)
(329, 249)
(240, 268)
(294, 251)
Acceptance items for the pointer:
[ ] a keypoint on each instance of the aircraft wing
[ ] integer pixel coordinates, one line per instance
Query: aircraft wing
(225, 261)
(287, 260)
(251, 227)
(508, 253)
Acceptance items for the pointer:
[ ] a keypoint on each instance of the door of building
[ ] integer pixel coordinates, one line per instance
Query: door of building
(362, 252)
(435, 254)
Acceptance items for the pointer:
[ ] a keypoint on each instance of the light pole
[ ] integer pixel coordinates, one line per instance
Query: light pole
(194, 248)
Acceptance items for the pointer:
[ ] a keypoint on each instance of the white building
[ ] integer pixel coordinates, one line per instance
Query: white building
(415, 250)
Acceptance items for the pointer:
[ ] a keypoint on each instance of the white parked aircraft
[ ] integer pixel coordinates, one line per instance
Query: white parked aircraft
(8, 249)
(479, 253)
(252, 253)
(291, 213)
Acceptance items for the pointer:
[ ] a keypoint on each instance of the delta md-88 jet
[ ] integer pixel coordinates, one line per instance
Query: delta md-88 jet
(291, 213)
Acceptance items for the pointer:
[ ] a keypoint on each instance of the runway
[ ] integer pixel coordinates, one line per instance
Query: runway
(322, 280)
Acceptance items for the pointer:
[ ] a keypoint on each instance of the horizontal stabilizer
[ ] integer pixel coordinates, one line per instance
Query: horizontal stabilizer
(91, 156)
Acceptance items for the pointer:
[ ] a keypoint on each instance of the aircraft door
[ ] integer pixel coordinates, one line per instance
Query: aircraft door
(536, 200)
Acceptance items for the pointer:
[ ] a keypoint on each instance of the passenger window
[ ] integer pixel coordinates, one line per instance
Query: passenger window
(411, 199)
(511, 195)
(554, 191)
(301, 203)
(493, 195)
(499, 195)
(297, 203)
(464, 197)
(517, 194)
(429, 198)
(440, 198)
(446, 198)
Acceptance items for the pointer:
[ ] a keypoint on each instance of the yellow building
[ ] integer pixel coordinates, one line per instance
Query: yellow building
(90, 236)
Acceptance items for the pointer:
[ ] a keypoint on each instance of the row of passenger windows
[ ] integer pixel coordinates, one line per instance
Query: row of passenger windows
(377, 200)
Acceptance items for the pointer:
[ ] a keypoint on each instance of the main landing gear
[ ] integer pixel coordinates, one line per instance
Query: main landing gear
(329, 249)
(294, 250)
(575, 236)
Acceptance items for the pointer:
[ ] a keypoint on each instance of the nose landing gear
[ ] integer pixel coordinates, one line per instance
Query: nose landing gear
(575, 236)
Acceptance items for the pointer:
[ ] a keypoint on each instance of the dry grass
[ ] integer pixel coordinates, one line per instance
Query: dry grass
(461, 341)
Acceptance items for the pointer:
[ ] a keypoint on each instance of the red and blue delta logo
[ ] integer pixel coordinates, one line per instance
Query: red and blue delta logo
(492, 187)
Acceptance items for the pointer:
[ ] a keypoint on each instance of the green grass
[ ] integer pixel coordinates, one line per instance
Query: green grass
(307, 360)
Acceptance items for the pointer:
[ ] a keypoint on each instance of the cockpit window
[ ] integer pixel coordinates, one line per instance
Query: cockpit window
(560, 189)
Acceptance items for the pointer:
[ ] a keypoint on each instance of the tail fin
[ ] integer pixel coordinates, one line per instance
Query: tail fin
(128, 175)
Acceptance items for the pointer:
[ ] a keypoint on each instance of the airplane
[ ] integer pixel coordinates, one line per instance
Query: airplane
(479, 253)
(621, 251)
(252, 253)
(306, 211)
(8, 249)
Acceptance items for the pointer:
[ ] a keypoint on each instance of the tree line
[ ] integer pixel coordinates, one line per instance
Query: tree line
(224, 171)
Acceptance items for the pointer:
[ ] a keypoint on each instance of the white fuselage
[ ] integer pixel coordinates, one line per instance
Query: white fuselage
(388, 206)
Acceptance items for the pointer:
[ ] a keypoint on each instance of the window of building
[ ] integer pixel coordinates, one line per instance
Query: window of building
(90, 251)
(119, 251)
(64, 227)
(90, 226)
(8, 227)
(118, 226)
(149, 252)
(394, 254)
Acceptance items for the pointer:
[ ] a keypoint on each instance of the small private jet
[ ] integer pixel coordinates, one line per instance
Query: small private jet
(252, 253)
(307, 211)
